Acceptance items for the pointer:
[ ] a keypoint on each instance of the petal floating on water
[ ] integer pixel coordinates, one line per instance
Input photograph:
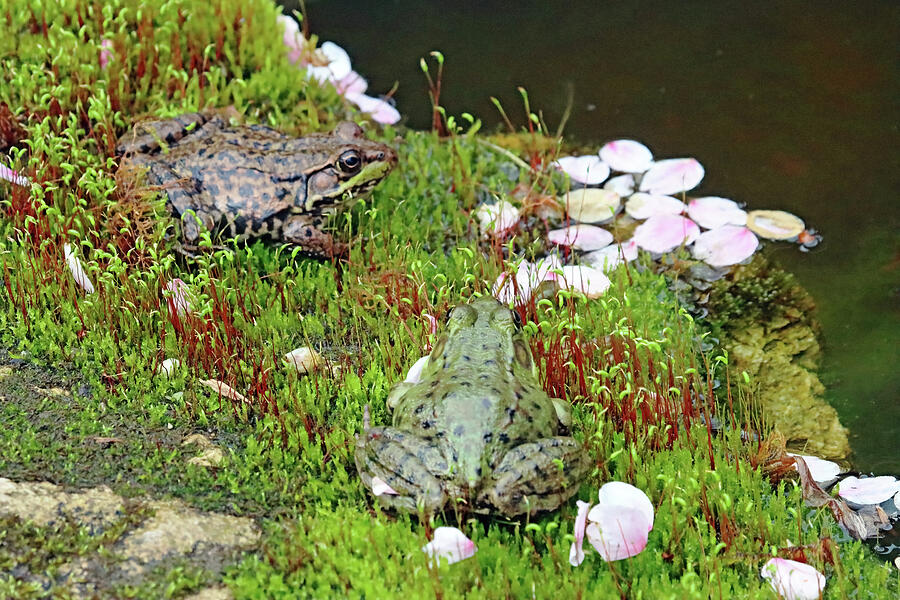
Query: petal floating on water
(775, 224)
(623, 185)
(663, 233)
(591, 205)
(589, 170)
(710, 212)
(450, 544)
(627, 156)
(793, 580)
(576, 551)
(868, 490)
(672, 176)
(643, 205)
(725, 246)
(581, 237)
(823, 471)
(612, 256)
(77, 270)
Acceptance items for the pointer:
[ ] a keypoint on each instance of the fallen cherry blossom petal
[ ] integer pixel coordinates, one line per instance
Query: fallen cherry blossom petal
(643, 205)
(576, 552)
(581, 237)
(591, 205)
(450, 544)
(814, 496)
(179, 302)
(105, 53)
(224, 389)
(775, 224)
(711, 212)
(672, 176)
(517, 288)
(432, 323)
(868, 490)
(612, 256)
(338, 65)
(379, 487)
(77, 270)
(627, 156)
(793, 580)
(590, 281)
(414, 375)
(292, 39)
(304, 359)
(725, 246)
(623, 185)
(167, 367)
(380, 110)
(663, 233)
(497, 219)
(621, 522)
(352, 84)
(822, 471)
(13, 176)
(589, 170)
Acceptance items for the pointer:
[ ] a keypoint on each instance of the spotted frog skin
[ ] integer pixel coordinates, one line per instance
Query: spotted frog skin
(477, 431)
(251, 181)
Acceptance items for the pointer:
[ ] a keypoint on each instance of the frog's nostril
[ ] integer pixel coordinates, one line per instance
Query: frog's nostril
(379, 156)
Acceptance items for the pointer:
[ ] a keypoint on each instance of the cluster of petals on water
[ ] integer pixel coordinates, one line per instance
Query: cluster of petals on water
(331, 64)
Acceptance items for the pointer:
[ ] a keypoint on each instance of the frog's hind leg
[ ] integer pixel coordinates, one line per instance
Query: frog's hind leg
(536, 476)
(408, 464)
(145, 138)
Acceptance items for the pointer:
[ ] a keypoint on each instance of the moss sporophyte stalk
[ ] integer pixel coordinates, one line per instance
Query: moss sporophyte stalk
(112, 391)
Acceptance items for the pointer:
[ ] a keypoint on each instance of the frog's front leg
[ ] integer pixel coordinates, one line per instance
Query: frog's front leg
(306, 231)
(411, 465)
(536, 476)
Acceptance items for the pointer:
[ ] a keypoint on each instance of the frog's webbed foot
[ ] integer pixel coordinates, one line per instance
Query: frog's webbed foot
(408, 464)
(305, 231)
(536, 476)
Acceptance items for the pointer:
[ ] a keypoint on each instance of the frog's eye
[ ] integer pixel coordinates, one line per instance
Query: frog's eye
(350, 162)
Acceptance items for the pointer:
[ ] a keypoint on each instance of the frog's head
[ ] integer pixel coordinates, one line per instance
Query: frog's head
(346, 165)
(484, 332)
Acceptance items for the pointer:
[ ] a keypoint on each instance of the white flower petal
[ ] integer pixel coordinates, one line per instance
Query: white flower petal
(581, 237)
(867, 490)
(589, 170)
(496, 219)
(627, 156)
(380, 110)
(77, 270)
(304, 359)
(168, 367)
(612, 256)
(725, 246)
(822, 471)
(591, 205)
(711, 212)
(338, 60)
(179, 301)
(793, 580)
(450, 544)
(576, 552)
(775, 224)
(379, 487)
(663, 233)
(414, 375)
(643, 205)
(623, 185)
(672, 176)
(590, 281)
(517, 289)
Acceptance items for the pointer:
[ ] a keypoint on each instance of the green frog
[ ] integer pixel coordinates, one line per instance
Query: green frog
(252, 181)
(477, 429)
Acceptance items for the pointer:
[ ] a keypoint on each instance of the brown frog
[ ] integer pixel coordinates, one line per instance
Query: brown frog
(251, 181)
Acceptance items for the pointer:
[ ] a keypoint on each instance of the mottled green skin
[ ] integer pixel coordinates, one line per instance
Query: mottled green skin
(252, 181)
(477, 427)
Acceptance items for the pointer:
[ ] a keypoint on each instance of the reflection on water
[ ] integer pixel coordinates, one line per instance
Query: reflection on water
(788, 105)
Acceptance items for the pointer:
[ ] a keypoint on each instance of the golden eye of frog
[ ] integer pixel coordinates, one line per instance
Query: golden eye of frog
(252, 181)
(477, 427)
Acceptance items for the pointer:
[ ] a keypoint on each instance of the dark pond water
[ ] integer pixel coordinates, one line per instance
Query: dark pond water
(790, 105)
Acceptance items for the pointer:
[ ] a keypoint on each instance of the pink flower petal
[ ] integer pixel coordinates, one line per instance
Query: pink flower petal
(77, 270)
(619, 493)
(663, 233)
(379, 487)
(589, 170)
(627, 156)
(590, 281)
(179, 301)
(725, 246)
(672, 176)
(643, 205)
(352, 84)
(612, 256)
(450, 544)
(711, 212)
(620, 523)
(581, 237)
(414, 375)
(496, 219)
(380, 110)
(105, 53)
(867, 490)
(793, 580)
(576, 552)
(823, 471)
(13, 176)
(623, 185)
(292, 39)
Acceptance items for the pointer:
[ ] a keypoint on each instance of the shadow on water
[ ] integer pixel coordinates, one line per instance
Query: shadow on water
(788, 105)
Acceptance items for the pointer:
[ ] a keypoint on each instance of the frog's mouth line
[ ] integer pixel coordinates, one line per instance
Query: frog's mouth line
(358, 185)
